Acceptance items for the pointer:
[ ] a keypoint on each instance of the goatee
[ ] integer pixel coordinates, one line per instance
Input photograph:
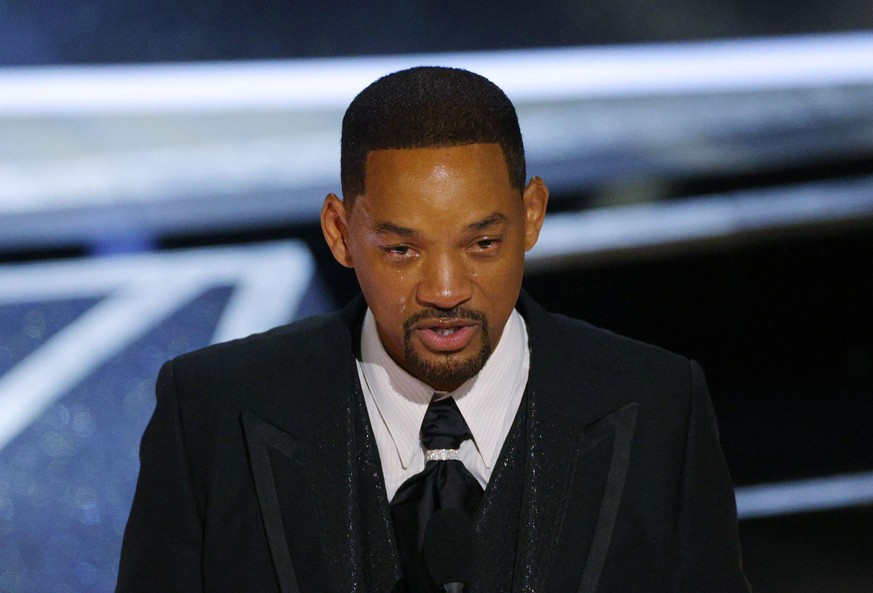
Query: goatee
(453, 368)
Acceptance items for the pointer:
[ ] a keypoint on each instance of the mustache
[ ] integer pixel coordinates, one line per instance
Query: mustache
(459, 312)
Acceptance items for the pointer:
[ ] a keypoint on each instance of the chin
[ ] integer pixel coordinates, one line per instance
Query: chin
(446, 373)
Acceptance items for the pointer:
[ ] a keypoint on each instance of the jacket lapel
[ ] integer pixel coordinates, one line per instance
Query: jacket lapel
(577, 458)
(594, 486)
(263, 440)
(306, 472)
(306, 491)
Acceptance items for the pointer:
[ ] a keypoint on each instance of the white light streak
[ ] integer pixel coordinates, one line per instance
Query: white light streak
(525, 75)
(706, 218)
(818, 494)
(140, 292)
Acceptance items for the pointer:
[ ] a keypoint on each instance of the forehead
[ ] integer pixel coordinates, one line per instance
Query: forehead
(438, 181)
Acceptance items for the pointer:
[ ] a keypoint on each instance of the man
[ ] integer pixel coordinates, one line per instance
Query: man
(290, 461)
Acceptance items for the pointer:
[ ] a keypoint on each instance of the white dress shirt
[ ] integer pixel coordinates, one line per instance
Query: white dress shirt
(396, 403)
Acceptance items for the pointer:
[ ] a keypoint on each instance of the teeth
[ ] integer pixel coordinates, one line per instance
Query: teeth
(446, 331)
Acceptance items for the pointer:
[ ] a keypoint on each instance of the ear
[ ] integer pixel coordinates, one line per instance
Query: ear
(335, 229)
(536, 198)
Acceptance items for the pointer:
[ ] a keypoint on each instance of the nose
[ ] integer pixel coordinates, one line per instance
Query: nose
(445, 282)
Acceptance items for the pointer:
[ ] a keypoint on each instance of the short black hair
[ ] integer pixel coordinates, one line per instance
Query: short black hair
(428, 107)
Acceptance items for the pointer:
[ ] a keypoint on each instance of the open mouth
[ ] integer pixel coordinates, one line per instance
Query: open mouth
(444, 331)
(446, 336)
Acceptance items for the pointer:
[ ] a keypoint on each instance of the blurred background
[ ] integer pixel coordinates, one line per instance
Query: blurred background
(162, 165)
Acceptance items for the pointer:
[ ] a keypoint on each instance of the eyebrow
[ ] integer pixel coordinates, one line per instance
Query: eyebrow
(389, 228)
(385, 228)
(489, 221)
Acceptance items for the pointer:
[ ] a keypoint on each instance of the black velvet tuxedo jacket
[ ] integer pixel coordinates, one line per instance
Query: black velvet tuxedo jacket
(257, 476)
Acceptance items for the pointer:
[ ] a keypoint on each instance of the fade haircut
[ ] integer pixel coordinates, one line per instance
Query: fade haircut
(428, 107)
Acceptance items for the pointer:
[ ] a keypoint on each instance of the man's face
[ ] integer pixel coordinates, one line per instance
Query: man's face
(437, 242)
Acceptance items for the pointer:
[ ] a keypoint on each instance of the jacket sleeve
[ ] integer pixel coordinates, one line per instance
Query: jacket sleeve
(708, 550)
(162, 543)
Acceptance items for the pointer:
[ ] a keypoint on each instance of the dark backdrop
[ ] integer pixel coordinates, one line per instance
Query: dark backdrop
(101, 31)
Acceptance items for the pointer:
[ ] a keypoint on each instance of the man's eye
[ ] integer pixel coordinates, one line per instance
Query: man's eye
(487, 244)
(397, 250)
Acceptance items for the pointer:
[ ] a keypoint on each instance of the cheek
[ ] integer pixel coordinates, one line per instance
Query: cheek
(499, 281)
(499, 289)
(390, 293)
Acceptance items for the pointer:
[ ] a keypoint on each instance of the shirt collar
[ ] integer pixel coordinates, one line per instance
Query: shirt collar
(484, 399)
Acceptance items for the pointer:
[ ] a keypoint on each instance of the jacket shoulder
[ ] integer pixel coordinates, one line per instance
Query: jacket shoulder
(302, 337)
(593, 371)
(576, 338)
(283, 364)
(612, 345)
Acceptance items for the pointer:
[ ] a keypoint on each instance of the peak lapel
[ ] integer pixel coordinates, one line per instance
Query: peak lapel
(308, 503)
(303, 455)
(574, 482)
(594, 495)
(577, 458)
(263, 440)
